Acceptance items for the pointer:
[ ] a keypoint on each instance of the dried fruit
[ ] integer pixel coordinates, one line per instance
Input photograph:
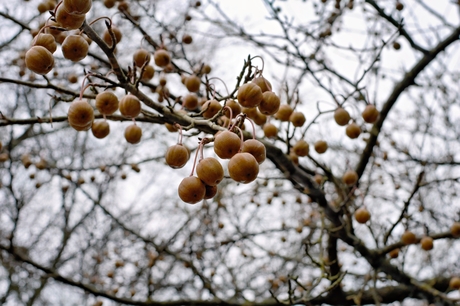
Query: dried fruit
(455, 229)
(190, 101)
(426, 243)
(47, 41)
(67, 20)
(77, 6)
(284, 112)
(226, 144)
(353, 130)
(116, 33)
(301, 148)
(297, 119)
(192, 83)
(270, 130)
(211, 107)
(106, 103)
(262, 83)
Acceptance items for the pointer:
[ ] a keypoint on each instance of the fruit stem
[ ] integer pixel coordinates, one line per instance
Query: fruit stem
(242, 138)
(180, 133)
(253, 128)
(225, 85)
(100, 18)
(263, 64)
(199, 149)
(231, 115)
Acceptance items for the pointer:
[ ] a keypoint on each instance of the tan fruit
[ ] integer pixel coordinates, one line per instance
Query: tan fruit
(80, 115)
(72, 78)
(341, 116)
(192, 190)
(187, 39)
(249, 95)
(284, 112)
(162, 58)
(67, 20)
(100, 129)
(211, 107)
(454, 282)
(190, 101)
(256, 149)
(47, 41)
(370, 114)
(455, 229)
(39, 60)
(77, 6)
(226, 144)
(259, 118)
(130, 106)
(42, 7)
(270, 103)
(362, 215)
(353, 130)
(301, 148)
(108, 39)
(297, 119)
(211, 191)
(206, 69)
(408, 238)
(192, 83)
(426, 243)
(109, 3)
(243, 168)
(236, 108)
(140, 57)
(399, 6)
(148, 73)
(210, 171)
(394, 253)
(177, 156)
(321, 146)
(133, 134)
(262, 83)
(75, 48)
(270, 130)
(106, 103)
(350, 178)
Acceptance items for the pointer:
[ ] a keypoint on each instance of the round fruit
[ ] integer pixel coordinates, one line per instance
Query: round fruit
(262, 83)
(67, 20)
(177, 156)
(77, 6)
(408, 238)
(211, 107)
(47, 41)
(270, 103)
(362, 215)
(80, 115)
(243, 168)
(191, 190)
(454, 282)
(187, 39)
(396, 45)
(100, 129)
(284, 112)
(236, 108)
(211, 191)
(353, 130)
(106, 103)
(426, 243)
(455, 229)
(226, 144)
(341, 116)
(297, 119)
(133, 134)
(162, 58)
(39, 60)
(210, 171)
(130, 106)
(399, 6)
(321, 146)
(259, 119)
(370, 114)
(249, 95)
(140, 57)
(108, 39)
(192, 83)
(109, 3)
(270, 130)
(350, 178)
(75, 48)
(148, 73)
(394, 253)
(301, 148)
(206, 69)
(190, 102)
(256, 149)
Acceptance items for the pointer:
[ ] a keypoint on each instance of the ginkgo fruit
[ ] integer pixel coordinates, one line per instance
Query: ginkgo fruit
(107, 38)
(140, 57)
(211, 108)
(270, 103)
(284, 112)
(297, 119)
(270, 130)
(353, 130)
(67, 20)
(301, 148)
(77, 6)
(192, 83)
(426, 243)
(46, 40)
(262, 83)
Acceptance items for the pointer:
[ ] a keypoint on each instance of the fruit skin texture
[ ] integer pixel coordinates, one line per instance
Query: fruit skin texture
(362, 215)
(370, 114)
(192, 83)
(243, 168)
(394, 253)
(80, 115)
(426, 243)
(353, 130)
(75, 48)
(321, 146)
(350, 178)
(455, 229)
(270, 103)
(211, 107)
(262, 83)
(270, 130)
(301, 148)
(130, 106)
(107, 103)
(408, 238)
(226, 144)
(454, 282)
(284, 112)
(77, 6)
(177, 156)
(210, 171)
(297, 119)
(140, 57)
(341, 116)
(47, 41)
(108, 39)
(161, 58)
(256, 149)
(67, 20)
(39, 60)
(249, 95)
(100, 129)
(133, 134)
(191, 190)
